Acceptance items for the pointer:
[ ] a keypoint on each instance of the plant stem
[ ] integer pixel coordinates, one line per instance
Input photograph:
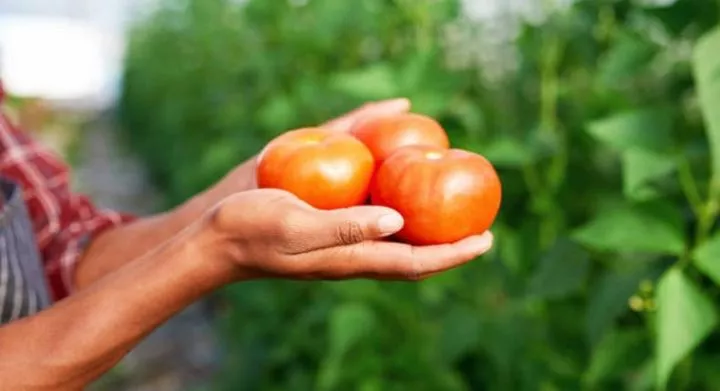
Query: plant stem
(705, 211)
(532, 180)
(689, 185)
(549, 125)
(549, 86)
(706, 220)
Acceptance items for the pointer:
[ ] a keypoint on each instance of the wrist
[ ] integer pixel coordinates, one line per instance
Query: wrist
(215, 247)
(208, 254)
(242, 178)
(224, 251)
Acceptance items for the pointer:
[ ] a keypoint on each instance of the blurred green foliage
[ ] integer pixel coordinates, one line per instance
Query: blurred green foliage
(603, 118)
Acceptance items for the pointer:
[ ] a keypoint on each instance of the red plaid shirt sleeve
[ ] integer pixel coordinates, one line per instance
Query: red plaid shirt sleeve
(63, 221)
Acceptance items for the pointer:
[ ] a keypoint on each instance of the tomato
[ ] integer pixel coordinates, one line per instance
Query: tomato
(444, 194)
(384, 135)
(326, 169)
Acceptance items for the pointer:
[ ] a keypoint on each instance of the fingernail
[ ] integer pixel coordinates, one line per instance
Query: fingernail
(479, 244)
(390, 223)
(395, 103)
(400, 101)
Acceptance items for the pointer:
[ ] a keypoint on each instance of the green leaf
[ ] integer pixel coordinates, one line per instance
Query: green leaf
(640, 169)
(436, 290)
(371, 83)
(416, 70)
(562, 271)
(471, 115)
(685, 317)
(706, 69)
(625, 59)
(643, 377)
(360, 290)
(507, 152)
(277, 113)
(707, 258)
(617, 353)
(371, 384)
(609, 300)
(510, 245)
(704, 369)
(460, 333)
(348, 324)
(416, 79)
(429, 102)
(215, 159)
(647, 129)
(644, 228)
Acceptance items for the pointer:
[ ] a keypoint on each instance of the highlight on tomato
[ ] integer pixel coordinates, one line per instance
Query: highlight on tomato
(326, 169)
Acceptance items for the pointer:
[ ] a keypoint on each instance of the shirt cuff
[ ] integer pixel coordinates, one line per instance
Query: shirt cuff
(80, 235)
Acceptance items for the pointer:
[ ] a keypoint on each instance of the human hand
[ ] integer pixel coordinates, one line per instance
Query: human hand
(368, 111)
(270, 233)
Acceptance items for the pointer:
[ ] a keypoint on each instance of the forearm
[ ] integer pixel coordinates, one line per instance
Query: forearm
(115, 247)
(72, 343)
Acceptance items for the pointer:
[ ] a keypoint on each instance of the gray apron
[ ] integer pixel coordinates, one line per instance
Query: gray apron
(23, 287)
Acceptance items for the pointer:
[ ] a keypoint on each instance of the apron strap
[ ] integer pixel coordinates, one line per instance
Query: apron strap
(23, 285)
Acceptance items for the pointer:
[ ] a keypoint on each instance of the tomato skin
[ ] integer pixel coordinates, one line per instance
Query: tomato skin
(384, 135)
(444, 194)
(326, 169)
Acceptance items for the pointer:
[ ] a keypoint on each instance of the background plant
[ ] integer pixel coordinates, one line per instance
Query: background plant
(602, 118)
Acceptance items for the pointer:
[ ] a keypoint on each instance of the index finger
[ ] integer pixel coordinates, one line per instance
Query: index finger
(374, 109)
(397, 261)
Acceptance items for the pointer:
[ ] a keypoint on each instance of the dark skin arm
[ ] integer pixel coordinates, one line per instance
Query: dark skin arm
(177, 257)
(250, 235)
(72, 343)
(110, 250)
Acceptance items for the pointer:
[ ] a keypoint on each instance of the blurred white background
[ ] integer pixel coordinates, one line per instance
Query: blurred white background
(65, 50)
(70, 51)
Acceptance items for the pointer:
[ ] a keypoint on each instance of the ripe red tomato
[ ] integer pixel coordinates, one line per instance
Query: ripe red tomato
(444, 194)
(384, 135)
(326, 169)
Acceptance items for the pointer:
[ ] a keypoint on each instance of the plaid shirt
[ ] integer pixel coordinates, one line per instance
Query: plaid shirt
(63, 221)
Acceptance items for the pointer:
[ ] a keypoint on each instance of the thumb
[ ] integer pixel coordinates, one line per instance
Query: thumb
(342, 227)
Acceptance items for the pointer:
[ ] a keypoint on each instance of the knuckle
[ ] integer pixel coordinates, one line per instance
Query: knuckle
(414, 274)
(345, 265)
(353, 256)
(217, 216)
(289, 231)
(349, 232)
(222, 214)
(416, 268)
